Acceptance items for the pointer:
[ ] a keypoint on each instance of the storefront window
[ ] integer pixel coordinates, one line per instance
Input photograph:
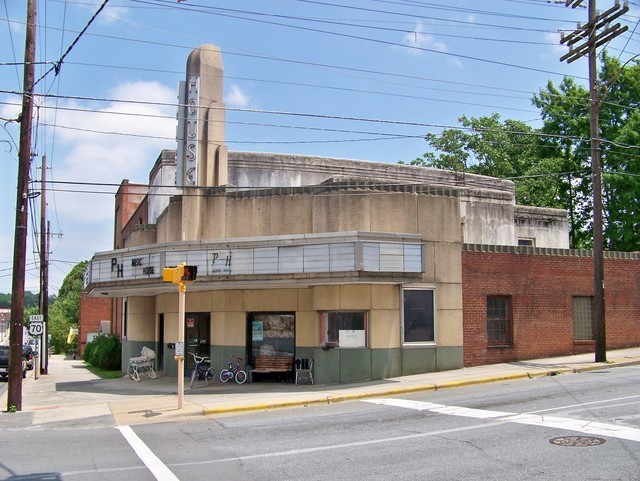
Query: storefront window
(343, 329)
(272, 334)
(418, 315)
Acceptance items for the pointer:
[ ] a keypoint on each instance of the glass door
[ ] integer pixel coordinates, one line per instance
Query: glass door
(196, 333)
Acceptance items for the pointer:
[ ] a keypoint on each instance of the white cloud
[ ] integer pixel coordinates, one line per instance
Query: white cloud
(236, 97)
(104, 144)
(556, 49)
(114, 12)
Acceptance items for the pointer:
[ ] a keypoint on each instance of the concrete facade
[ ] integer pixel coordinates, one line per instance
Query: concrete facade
(358, 265)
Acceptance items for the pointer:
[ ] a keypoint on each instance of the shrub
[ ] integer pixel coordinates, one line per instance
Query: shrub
(104, 352)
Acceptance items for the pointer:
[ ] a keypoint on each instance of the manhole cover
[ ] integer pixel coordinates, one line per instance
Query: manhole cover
(578, 441)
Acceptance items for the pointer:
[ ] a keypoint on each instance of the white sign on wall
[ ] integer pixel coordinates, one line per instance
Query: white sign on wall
(351, 338)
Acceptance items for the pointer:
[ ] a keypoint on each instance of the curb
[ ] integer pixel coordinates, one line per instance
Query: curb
(418, 388)
(372, 394)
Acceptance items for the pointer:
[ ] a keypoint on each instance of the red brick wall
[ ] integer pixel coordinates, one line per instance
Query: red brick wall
(128, 200)
(92, 311)
(542, 289)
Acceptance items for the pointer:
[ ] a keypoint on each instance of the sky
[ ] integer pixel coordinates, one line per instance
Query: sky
(364, 79)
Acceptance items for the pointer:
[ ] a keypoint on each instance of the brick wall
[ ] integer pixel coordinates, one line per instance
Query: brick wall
(92, 310)
(542, 287)
(128, 200)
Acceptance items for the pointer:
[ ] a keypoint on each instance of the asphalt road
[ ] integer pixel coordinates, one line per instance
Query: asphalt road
(580, 426)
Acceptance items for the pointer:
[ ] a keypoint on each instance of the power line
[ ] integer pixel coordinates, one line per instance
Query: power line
(57, 65)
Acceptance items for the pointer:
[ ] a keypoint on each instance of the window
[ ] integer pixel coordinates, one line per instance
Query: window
(418, 315)
(343, 329)
(499, 321)
(583, 319)
(525, 241)
(272, 333)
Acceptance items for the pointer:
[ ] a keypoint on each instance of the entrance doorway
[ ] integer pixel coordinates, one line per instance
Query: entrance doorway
(160, 349)
(271, 334)
(196, 333)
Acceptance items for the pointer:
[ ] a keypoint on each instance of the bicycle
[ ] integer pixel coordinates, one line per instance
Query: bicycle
(202, 370)
(234, 372)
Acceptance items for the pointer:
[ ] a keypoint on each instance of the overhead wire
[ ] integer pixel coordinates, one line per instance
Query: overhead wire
(13, 49)
(58, 64)
(281, 112)
(375, 40)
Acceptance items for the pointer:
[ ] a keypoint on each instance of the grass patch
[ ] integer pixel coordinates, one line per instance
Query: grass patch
(103, 374)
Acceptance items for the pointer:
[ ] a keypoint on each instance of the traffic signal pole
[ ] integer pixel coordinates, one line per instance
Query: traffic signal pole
(181, 276)
(182, 291)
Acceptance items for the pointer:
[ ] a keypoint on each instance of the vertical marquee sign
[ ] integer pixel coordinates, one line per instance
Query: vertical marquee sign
(188, 115)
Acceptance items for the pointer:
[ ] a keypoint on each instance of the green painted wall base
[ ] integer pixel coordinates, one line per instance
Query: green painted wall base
(331, 366)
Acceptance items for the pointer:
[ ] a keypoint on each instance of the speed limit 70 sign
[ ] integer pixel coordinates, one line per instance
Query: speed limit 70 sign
(36, 328)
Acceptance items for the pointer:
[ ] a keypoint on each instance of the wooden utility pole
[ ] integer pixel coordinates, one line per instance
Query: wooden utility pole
(14, 393)
(44, 270)
(585, 41)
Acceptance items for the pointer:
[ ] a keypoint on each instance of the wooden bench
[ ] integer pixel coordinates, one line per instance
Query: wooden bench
(273, 364)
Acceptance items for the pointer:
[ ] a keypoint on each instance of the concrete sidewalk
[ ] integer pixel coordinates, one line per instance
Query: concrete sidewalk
(70, 396)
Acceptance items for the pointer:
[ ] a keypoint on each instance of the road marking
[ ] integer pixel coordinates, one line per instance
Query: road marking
(151, 461)
(532, 419)
(317, 449)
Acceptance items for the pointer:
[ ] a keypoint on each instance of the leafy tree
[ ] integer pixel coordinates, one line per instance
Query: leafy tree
(5, 301)
(507, 149)
(565, 111)
(30, 300)
(551, 166)
(63, 315)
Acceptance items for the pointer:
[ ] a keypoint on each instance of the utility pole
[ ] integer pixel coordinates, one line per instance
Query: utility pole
(585, 41)
(44, 270)
(14, 393)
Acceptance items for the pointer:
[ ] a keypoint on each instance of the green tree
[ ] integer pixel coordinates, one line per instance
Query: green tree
(551, 166)
(5, 301)
(497, 148)
(565, 111)
(63, 315)
(30, 300)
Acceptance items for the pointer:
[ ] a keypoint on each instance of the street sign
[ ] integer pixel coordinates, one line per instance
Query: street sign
(36, 328)
(36, 318)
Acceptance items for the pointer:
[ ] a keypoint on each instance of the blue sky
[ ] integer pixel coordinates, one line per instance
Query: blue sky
(363, 80)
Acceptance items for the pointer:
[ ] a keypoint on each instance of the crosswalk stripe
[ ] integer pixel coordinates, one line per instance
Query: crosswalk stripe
(556, 422)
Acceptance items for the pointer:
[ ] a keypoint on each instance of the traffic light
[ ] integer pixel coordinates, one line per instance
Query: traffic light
(168, 274)
(189, 273)
(180, 274)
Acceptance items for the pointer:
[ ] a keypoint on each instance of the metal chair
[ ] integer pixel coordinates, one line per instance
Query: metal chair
(304, 369)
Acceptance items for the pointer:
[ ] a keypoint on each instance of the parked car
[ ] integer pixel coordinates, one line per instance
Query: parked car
(4, 363)
(29, 356)
(33, 343)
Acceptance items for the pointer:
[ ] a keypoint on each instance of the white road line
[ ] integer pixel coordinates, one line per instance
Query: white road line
(151, 461)
(556, 422)
(332, 447)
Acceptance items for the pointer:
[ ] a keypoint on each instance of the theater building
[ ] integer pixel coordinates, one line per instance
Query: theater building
(373, 270)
